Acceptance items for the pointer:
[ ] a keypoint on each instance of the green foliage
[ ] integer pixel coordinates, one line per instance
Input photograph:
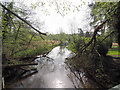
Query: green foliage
(39, 48)
(62, 37)
(100, 46)
(87, 34)
(103, 46)
(103, 9)
(107, 10)
(76, 42)
(17, 36)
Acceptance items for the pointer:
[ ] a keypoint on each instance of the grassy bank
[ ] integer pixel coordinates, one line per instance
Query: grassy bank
(37, 48)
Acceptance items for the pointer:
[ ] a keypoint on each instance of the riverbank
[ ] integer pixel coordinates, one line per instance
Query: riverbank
(35, 48)
(16, 66)
(102, 73)
(104, 70)
(52, 72)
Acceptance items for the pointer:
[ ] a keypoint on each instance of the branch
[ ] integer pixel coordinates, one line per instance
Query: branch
(22, 19)
(17, 31)
(58, 9)
(108, 35)
(94, 35)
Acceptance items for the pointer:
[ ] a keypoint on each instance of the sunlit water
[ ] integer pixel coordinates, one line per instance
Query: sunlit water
(52, 72)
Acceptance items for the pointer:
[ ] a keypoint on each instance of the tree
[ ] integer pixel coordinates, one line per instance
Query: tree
(87, 34)
(81, 33)
(22, 19)
(62, 36)
(110, 12)
(16, 31)
(92, 55)
(104, 19)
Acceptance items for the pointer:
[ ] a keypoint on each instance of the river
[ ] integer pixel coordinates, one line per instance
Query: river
(52, 71)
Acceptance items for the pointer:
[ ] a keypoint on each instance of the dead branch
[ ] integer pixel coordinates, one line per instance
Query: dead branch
(22, 19)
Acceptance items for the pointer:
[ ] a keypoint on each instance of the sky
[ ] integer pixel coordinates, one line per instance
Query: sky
(54, 22)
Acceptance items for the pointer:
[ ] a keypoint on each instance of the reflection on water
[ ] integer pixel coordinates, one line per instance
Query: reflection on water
(51, 71)
(59, 84)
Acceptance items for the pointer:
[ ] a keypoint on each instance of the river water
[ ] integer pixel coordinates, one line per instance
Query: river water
(52, 72)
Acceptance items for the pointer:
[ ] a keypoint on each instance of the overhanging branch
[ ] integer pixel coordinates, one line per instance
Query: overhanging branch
(22, 19)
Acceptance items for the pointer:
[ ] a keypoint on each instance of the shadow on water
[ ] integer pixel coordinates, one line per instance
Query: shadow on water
(52, 72)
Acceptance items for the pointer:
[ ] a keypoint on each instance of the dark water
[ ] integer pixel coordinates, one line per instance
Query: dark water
(52, 72)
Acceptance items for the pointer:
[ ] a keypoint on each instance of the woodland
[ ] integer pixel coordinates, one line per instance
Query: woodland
(97, 55)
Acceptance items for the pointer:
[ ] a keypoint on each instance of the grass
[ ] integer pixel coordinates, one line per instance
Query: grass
(111, 52)
(114, 51)
(36, 48)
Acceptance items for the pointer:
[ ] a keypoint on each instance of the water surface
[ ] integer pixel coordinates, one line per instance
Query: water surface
(52, 72)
